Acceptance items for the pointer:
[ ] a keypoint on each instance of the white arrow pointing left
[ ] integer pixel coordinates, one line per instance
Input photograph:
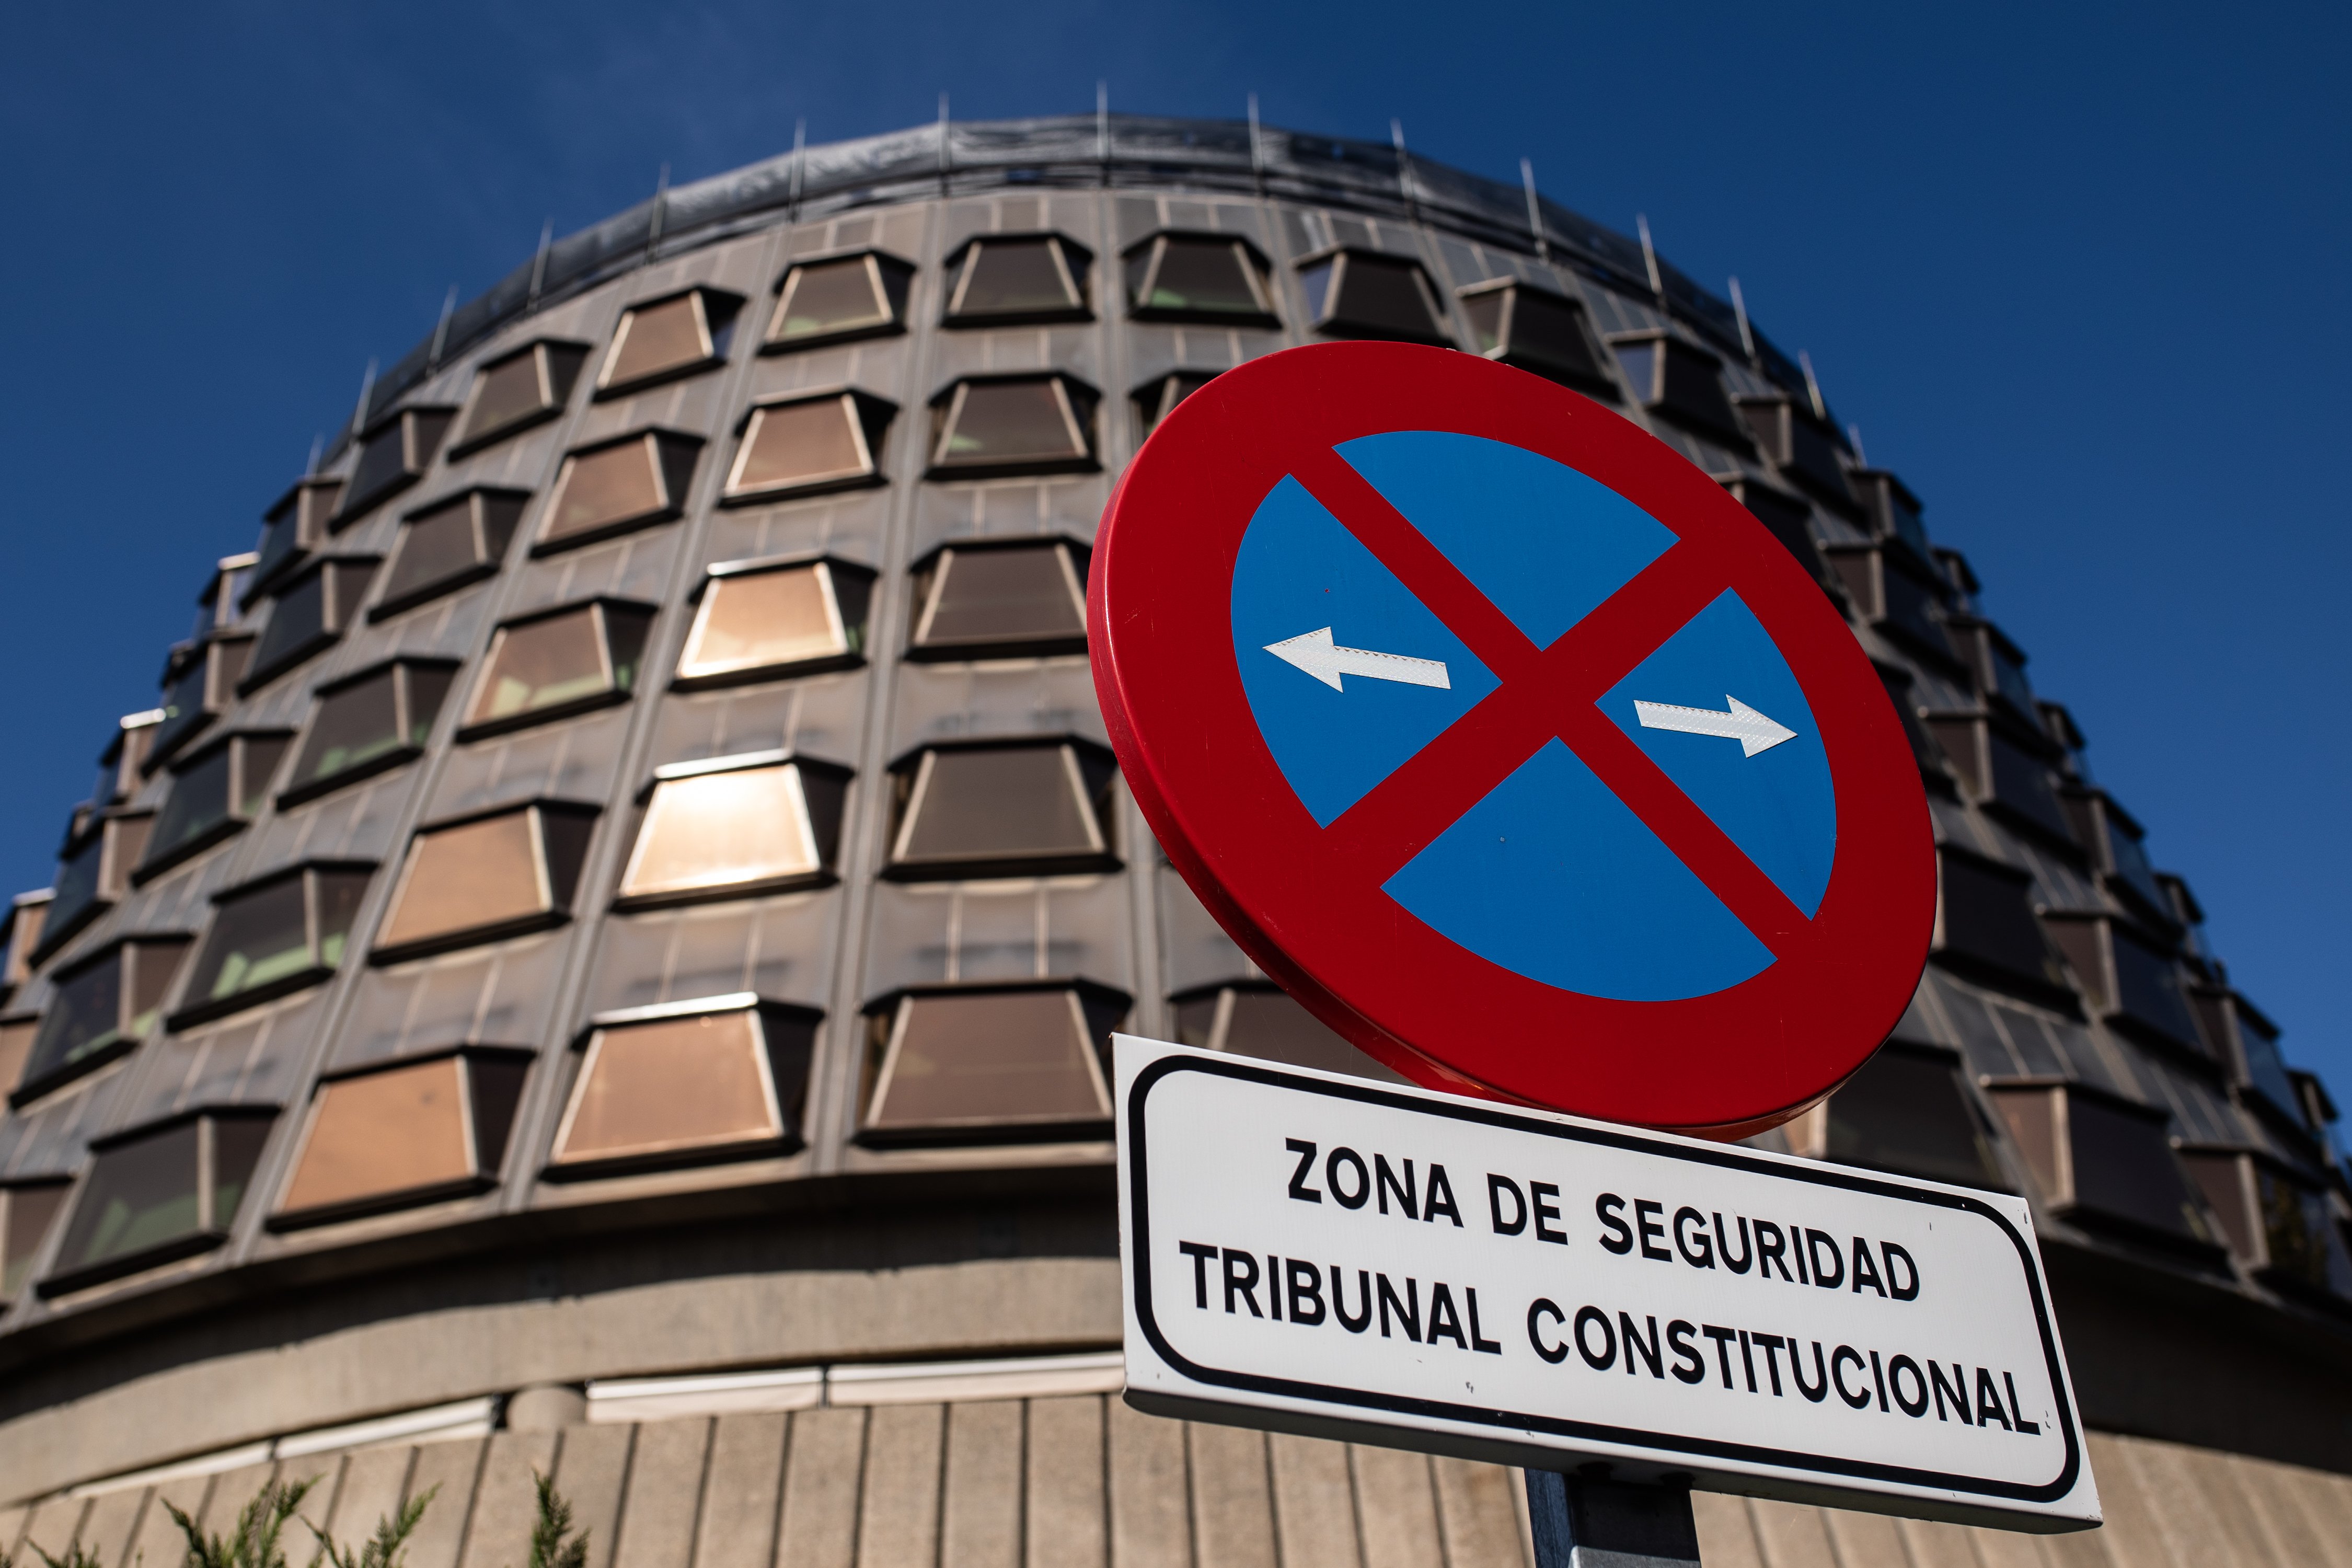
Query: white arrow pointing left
(1753, 731)
(1327, 661)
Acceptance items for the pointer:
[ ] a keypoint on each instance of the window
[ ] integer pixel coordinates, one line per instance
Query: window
(455, 542)
(21, 930)
(367, 723)
(2118, 849)
(1536, 329)
(1892, 510)
(1790, 518)
(215, 793)
(1364, 294)
(2247, 1043)
(93, 875)
(314, 608)
(296, 526)
(809, 442)
(413, 1132)
(838, 298)
(517, 391)
(1156, 400)
(1906, 1110)
(1997, 665)
(1001, 598)
(1013, 424)
(1678, 380)
(157, 1194)
(662, 339)
(482, 877)
(1929, 756)
(734, 826)
(557, 663)
(1021, 1061)
(273, 937)
(1259, 1019)
(1895, 597)
(1799, 446)
(2012, 782)
(120, 765)
(1214, 278)
(2276, 1221)
(216, 604)
(2104, 1161)
(101, 1009)
(1002, 809)
(762, 619)
(28, 1209)
(631, 482)
(1985, 926)
(197, 687)
(724, 1078)
(395, 452)
(17, 1048)
(1004, 279)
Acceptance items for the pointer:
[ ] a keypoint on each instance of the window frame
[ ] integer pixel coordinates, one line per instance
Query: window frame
(311, 522)
(108, 834)
(225, 656)
(2053, 1168)
(403, 713)
(1802, 449)
(237, 742)
(317, 972)
(334, 621)
(932, 569)
(2097, 818)
(1866, 570)
(1224, 999)
(802, 769)
(1255, 266)
(556, 386)
(1790, 515)
(878, 1068)
(121, 765)
(489, 554)
(1070, 392)
(1809, 1133)
(424, 427)
(61, 1185)
(909, 800)
(879, 265)
(1151, 398)
(556, 906)
(833, 571)
(870, 417)
(777, 1056)
(2231, 1178)
(1667, 398)
(2048, 987)
(1072, 260)
(1331, 324)
(130, 953)
(1885, 501)
(212, 1229)
(603, 606)
(1971, 739)
(1984, 646)
(486, 1173)
(1594, 375)
(675, 456)
(716, 312)
(21, 930)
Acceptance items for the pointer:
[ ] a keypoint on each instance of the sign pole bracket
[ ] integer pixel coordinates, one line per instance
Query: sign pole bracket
(1586, 1521)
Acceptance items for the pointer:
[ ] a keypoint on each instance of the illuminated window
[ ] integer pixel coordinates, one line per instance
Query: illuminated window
(997, 1063)
(662, 339)
(805, 443)
(28, 1209)
(557, 663)
(157, 1194)
(1907, 1109)
(734, 826)
(457, 541)
(1678, 380)
(93, 875)
(484, 877)
(395, 452)
(390, 1137)
(1001, 599)
(198, 687)
(216, 792)
(1364, 294)
(1013, 424)
(762, 619)
(1003, 280)
(1260, 1020)
(1002, 809)
(1892, 510)
(1800, 447)
(308, 614)
(100, 1009)
(614, 487)
(839, 298)
(296, 526)
(1216, 280)
(517, 391)
(366, 723)
(725, 1078)
(2104, 1161)
(273, 937)
(1156, 400)
(1536, 329)
(1985, 927)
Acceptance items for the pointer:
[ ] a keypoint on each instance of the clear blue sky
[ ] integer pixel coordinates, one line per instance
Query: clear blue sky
(2079, 273)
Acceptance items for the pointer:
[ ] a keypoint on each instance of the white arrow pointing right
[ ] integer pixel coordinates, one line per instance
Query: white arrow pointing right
(1753, 731)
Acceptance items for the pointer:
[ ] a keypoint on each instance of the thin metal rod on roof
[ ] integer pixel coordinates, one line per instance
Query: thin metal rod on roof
(1853, 433)
(944, 160)
(1650, 255)
(1102, 127)
(318, 447)
(800, 160)
(367, 390)
(661, 206)
(1812, 385)
(1405, 169)
(1257, 153)
(539, 262)
(1739, 309)
(441, 330)
(1535, 208)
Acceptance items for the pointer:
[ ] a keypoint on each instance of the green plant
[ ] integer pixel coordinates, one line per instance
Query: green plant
(76, 1556)
(254, 1543)
(381, 1549)
(554, 1542)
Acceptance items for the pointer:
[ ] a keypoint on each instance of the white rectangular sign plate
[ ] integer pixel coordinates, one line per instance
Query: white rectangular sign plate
(1312, 1253)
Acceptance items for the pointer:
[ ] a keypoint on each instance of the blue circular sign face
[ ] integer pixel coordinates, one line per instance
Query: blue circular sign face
(1508, 742)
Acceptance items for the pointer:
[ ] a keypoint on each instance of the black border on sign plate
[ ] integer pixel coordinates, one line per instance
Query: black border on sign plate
(1138, 1205)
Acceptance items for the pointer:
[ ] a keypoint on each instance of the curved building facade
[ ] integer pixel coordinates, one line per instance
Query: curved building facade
(600, 957)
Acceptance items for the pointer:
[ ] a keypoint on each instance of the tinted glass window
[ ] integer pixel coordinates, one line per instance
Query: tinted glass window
(30, 1212)
(974, 600)
(2265, 1067)
(558, 662)
(1548, 333)
(187, 701)
(85, 1016)
(1485, 314)
(723, 829)
(78, 883)
(2021, 782)
(1003, 423)
(387, 1132)
(821, 299)
(1269, 1024)
(1909, 1113)
(2009, 678)
(393, 456)
(677, 1084)
(1374, 297)
(198, 803)
(2125, 1167)
(138, 1197)
(656, 339)
(1194, 277)
(761, 620)
(1910, 607)
(1641, 363)
(2131, 863)
(298, 621)
(1987, 919)
(789, 444)
(1159, 399)
(474, 876)
(954, 1061)
(364, 723)
(262, 939)
(451, 544)
(1014, 278)
(608, 488)
(1014, 804)
(2151, 987)
(383, 461)
(508, 392)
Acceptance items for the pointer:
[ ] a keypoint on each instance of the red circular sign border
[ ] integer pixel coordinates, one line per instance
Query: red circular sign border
(1158, 607)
